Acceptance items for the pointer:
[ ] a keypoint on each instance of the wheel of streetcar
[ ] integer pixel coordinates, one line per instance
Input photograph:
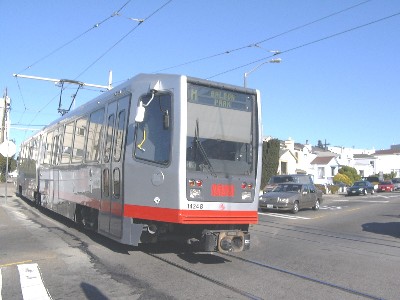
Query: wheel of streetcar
(295, 208)
(316, 206)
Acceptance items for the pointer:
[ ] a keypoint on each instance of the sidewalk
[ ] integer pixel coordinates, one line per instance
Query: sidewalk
(10, 191)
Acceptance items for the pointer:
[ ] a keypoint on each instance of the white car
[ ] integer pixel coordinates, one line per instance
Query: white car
(13, 174)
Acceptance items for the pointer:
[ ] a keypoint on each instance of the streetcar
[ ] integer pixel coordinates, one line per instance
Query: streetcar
(161, 157)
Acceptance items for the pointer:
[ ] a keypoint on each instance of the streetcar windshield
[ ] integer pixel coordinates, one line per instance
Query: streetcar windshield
(220, 131)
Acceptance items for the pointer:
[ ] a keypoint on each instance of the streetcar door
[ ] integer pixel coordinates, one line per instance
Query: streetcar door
(112, 204)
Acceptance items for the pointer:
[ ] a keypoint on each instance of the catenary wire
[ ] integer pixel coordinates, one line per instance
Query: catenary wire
(307, 44)
(117, 13)
(101, 56)
(122, 38)
(264, 40)
(76, 38)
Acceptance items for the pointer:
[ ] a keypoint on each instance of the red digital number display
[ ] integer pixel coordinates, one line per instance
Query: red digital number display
(222, 190)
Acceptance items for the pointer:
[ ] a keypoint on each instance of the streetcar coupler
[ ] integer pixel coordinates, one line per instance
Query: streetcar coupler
(225, 241)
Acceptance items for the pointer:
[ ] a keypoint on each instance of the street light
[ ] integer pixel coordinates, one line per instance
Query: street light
(272, 61)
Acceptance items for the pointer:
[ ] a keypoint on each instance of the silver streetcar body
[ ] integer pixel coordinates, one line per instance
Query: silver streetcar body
(159, 157)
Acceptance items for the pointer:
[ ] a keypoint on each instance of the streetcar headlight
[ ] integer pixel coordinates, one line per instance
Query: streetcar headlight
(195, 193)
(246, 195)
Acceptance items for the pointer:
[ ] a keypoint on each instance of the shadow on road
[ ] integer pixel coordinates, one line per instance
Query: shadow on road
(390, 228)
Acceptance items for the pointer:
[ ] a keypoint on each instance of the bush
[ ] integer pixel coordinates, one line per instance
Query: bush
(333, 189)
(350, 172)
(342, 178)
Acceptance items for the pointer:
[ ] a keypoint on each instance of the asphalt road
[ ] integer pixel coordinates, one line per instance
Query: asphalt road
(349, 249)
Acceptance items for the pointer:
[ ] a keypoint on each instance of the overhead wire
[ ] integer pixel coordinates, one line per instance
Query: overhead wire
(76, 38)
(308, 44)
(108, 50)
(264, 40)
(116, 13)
(140, 22)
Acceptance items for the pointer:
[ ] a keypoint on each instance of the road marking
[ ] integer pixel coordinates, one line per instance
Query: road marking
(284, 216)
(15, 263)
(361, 200)
(330, 207)
(31, 282)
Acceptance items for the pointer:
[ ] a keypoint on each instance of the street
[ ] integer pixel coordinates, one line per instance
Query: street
(349, 249)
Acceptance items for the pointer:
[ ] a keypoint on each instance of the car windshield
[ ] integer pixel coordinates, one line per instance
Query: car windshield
(296, 188)
(360, 183)
(280, 179)
(386, 182)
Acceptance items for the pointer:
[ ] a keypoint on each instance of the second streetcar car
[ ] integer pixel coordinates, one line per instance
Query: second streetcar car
(159, 157)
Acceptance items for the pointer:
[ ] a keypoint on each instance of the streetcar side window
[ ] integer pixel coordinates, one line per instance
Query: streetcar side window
(110, 133)
(79, 140)
(117, 182)
(47, 148)
(57, 138)
(67, 143)
(94, 136)
(152, 136)
(106, 183)
(119, 136)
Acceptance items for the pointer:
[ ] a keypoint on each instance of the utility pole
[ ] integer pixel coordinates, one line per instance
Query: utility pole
(5, 145)
(4, 108)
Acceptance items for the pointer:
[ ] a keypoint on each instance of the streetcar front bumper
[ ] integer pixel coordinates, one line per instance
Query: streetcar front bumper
(225, 241)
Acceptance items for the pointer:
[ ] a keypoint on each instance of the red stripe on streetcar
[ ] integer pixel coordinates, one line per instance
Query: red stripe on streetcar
(182, 216)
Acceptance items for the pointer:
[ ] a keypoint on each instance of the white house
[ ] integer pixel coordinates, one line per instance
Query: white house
(365, 164)
(324, 168)
(388, 161)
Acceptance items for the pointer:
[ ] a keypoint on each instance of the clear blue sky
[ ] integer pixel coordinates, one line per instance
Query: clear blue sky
(338, 80)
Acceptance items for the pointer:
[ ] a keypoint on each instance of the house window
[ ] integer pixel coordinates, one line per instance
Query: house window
(283, 167)
(333, 171)
(321, 172)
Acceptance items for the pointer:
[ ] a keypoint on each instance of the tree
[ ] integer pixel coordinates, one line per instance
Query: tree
(12, 165)
(270, 160)
(338, 178)
(350, 172)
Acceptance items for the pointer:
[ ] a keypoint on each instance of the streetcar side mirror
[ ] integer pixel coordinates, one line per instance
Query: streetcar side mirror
(140, 113)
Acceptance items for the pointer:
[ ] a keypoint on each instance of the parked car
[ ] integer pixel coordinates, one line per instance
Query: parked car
(373, 179)
(13, 174)
(396, 183)
(386, 186)
(295, 178)
(292, 197)
(361, 188)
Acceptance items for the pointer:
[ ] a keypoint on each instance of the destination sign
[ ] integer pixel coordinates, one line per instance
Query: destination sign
(219, 97)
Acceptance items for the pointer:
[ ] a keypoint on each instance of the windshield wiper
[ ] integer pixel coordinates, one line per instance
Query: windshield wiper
(202, 151)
